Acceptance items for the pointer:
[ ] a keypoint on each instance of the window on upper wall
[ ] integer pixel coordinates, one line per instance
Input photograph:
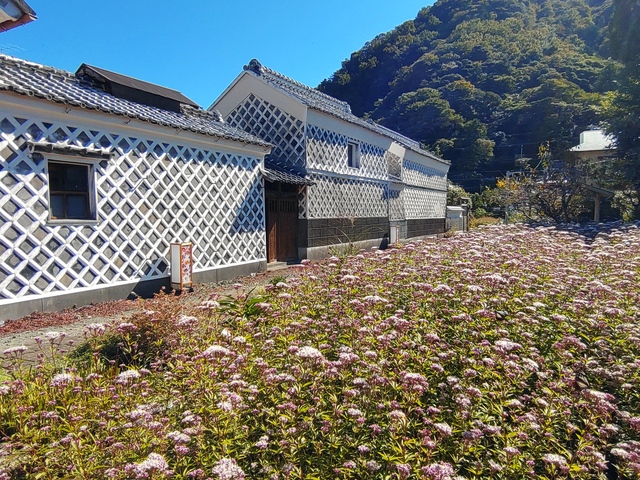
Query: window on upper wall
(353, 154)
(71, 191)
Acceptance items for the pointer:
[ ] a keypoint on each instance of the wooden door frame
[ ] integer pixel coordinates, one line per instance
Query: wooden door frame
(278, 194)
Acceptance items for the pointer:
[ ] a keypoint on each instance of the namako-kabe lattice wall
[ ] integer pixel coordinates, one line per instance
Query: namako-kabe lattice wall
(363, 178)
(151, 188)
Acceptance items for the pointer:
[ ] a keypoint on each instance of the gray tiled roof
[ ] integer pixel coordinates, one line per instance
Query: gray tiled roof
(317, 100)
(35, 80)
(276, 171)
(274, 175)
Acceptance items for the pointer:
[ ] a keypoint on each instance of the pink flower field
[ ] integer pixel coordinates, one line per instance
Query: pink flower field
(509, 352)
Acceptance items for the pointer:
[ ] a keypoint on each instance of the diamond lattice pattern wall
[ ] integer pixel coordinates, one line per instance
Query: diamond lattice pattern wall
(429, 199)
(151, 194)
(423, 176)
(362, 194)
(336, 197)
(268, 122)
(327, 151)
(422, 203)
(396, 204)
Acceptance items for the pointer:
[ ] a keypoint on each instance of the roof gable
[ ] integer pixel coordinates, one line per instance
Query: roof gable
(322, 102)
(309, 96)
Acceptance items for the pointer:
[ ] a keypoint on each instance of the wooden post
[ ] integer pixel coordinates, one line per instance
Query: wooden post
(596, 209)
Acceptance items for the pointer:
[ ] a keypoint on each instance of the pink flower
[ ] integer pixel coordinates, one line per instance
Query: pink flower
(263, 443)
(126, 327)
(444, 429)
(154, 463)
(363, 449)
(397, 415)
(309, 353)
(404, 470)
(181, 450)
(354, 412)
(216, 351)
(61, 380)
(375, 429)
(52, 336)
(178, 438)
(127, 376)
(15, 350)
(372, 466)
(510, 451)
(228, 469)
(507, 346)
(375, 299)
(442, 288)
(97, 328)
(438, 471)
(555, 459)
(185, 321)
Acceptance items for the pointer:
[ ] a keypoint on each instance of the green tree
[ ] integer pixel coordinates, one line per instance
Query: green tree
(556, 192)
(425, 116)
(528, 71)
(622, 107)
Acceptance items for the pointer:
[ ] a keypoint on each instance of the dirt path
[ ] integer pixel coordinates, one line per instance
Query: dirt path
(65, 329)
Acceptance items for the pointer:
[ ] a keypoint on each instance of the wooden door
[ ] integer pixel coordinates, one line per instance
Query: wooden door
(282, 226)
(287, 230)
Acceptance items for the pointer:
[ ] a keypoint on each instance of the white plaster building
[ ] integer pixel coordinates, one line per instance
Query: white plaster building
(595, 146)
(99, 173)
(333, 178)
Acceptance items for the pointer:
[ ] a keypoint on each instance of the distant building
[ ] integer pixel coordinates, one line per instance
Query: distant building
(595, 146)
(14, 13)
(333, 179)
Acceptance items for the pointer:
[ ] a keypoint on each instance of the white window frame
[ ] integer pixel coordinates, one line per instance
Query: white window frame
(353, 154)
(90, 163)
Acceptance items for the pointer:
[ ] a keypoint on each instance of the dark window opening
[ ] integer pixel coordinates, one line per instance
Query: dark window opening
(353, 155)
(69, 191)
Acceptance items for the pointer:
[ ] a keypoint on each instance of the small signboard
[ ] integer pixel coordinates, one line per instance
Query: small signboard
(181, 265)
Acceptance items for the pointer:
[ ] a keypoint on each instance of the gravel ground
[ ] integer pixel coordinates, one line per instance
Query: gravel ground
(72, 323)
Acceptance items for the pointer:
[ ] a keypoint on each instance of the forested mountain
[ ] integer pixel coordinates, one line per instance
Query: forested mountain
(482, 82)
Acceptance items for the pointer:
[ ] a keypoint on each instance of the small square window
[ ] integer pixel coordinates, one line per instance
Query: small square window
(353, 154)
(71, 191)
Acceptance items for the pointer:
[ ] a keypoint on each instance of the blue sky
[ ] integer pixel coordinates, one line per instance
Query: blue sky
(199, 47)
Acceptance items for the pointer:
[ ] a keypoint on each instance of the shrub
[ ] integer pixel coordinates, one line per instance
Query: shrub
(509, 352)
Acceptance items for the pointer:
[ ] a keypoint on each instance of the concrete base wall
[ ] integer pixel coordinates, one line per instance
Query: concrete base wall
(14, 309)
(321, 238)
(318, 253)
(425, 226)
(230, 272)
(322, 232)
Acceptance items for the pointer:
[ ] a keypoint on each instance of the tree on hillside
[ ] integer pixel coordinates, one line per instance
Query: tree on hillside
(551, 190)
(622, 108)
(528, 71)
